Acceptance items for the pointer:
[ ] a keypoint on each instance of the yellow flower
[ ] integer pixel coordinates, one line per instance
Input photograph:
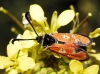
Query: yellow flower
(37, 14)
(13, 71)
(5, 62)
(97, 56)
(65, 17)
(93, 69)
(77, 68)
(13, 49)
(28, 43)
(19, 48)
(25, 63)
(18, 52)
(95, 34)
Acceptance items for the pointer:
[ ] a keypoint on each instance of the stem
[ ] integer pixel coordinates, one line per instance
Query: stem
(13, 29)
(72, 7)
(77, 28)
(12, 17)
(76, 21)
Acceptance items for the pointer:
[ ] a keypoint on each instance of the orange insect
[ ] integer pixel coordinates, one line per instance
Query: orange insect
(70, 45)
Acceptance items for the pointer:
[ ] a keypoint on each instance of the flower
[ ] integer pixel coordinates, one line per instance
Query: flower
(25, 63)
(28, 43)
(37, 14)
(13, 49)
(13, 71)
(18, 60)
(77, 68)
(5, 62)
(95, 33)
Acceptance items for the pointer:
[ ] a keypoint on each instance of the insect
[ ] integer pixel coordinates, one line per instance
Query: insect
(70, 45)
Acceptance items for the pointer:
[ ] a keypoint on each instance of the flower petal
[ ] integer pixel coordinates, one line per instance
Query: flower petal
(76, 66)
(65, 17)
(92, 69)
(12, 49)
(53, 22)
(23, 52)
(95, 34)
(97, 56)
(28, 43)
(26, 63)
(5, 62)
(13, 71)
(36, 13)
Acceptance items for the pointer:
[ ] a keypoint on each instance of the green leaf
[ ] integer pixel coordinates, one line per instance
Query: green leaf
(92, 69)
(95, 33)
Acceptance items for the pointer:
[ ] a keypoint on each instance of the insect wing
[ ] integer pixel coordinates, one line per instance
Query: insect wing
(73, 38)
(70, 50)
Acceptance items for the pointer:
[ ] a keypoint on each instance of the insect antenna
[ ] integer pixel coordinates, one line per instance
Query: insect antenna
(15, 39)
(26, 16)
(21, 40)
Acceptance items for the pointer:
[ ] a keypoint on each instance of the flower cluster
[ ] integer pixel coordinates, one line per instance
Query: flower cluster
(29, 57)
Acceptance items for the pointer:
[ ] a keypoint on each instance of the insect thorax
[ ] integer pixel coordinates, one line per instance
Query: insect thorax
(48, 40)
